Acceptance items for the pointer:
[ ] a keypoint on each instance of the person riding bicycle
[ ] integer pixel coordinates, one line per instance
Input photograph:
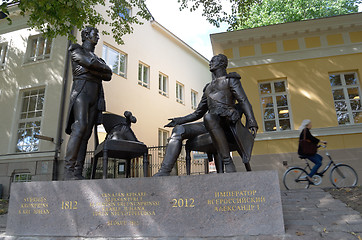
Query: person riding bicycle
(315, 158)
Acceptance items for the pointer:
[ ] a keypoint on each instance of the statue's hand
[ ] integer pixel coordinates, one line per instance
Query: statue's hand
(253, 131)
(173, 123)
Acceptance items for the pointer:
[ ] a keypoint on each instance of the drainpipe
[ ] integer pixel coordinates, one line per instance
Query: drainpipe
(59, 139)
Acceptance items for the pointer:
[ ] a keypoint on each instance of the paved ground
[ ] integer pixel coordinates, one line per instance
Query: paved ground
(308, 214)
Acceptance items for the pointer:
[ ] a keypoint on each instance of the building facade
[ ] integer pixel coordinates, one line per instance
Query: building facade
(156, 77)
(301, 70)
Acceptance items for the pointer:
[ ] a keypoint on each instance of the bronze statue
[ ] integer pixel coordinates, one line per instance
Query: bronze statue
(86, 100)
(219, 110)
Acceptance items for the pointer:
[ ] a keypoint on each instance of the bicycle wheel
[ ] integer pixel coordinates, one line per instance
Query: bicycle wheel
(343, 175)
(295, 178)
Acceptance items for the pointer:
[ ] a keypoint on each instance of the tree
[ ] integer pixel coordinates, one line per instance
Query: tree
(60, 17)
(215, 10)
(256, 13)
(281, 11)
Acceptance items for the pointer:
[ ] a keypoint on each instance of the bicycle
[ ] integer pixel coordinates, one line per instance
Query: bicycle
(341, 175)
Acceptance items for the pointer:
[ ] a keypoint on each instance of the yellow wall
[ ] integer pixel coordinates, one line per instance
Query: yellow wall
(276, 146)
(312, 42)
(309, 90)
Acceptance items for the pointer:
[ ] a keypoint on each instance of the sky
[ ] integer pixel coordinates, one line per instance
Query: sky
(190, 27)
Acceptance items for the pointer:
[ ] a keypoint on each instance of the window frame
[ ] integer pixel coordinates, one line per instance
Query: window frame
(38, 57)
(4, 50)
(344, 87)
(142, 81)
(162, 148)
(25, 122)
(105, 55)
(180, 96)
(164, 80)
(194, 98)
(20, 175)
(275, 107)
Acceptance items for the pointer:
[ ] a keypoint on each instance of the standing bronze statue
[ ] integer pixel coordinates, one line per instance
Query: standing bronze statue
(222, 104)
(86, 100)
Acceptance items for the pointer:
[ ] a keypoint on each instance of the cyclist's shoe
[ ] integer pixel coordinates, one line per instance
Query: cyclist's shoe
(310, 180)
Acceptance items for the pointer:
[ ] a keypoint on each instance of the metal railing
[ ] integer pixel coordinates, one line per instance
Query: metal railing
(116, 167)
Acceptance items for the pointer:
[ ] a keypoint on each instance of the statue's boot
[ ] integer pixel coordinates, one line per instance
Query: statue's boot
(229, 165)
(222, 147)
(71, 158)
(173, 149)
(78, 168)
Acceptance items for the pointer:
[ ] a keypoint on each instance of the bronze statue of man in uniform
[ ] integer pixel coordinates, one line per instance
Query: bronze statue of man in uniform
(219, 109)
(86, 100)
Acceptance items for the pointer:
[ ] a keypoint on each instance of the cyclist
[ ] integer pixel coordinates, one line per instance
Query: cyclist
(316, 158)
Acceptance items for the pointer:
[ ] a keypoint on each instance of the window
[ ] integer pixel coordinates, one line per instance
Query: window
(163, 84)
(22, 177)
(193, 99)
(116, 60)
(162, 137)
(347, 97)
(143, 75)
(39, 48)
(275, 105)
(3, 53)
(162, 142)
(179, 93)
(32, 103)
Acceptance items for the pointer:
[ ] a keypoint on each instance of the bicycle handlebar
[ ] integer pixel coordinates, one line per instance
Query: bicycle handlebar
(323, 146)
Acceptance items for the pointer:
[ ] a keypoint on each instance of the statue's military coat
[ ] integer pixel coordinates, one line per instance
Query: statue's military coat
(219, 97)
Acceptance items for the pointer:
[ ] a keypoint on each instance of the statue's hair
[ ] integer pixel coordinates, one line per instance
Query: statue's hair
(224, 60)
(86, 31)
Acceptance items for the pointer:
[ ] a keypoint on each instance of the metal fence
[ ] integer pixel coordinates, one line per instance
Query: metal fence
(116, 167)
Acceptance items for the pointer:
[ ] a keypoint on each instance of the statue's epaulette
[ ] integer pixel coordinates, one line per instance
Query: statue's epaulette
(74, 46)
(205, 87)
(233, 75)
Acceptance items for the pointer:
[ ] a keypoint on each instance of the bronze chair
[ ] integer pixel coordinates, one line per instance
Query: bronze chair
(243, 144)
(120, 143)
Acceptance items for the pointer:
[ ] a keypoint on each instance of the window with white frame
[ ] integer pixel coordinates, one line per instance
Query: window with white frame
(22, 177)
(275, 105)
(143, 75)
(163, 84)
(162, 137)
(346, 93)
(3, 54)
(39, 48)
(116, 60)
(29, 123)
(179, 92)
(193, 99)
(162, 142)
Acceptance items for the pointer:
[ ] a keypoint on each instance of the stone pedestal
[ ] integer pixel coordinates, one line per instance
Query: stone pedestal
(231, 204)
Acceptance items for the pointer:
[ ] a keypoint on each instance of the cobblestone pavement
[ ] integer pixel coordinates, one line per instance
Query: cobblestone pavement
(308, 214)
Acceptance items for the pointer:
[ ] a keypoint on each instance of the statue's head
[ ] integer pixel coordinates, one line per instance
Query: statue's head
(90, 33)
(218, 61)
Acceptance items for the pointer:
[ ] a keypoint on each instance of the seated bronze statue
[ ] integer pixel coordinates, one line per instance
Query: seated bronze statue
(222, 105)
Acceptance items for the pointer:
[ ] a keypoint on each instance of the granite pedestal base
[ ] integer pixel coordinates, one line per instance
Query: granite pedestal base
(234, 204)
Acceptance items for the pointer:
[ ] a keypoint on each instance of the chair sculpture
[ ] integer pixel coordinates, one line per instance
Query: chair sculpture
(203, 143)
(120, 143)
